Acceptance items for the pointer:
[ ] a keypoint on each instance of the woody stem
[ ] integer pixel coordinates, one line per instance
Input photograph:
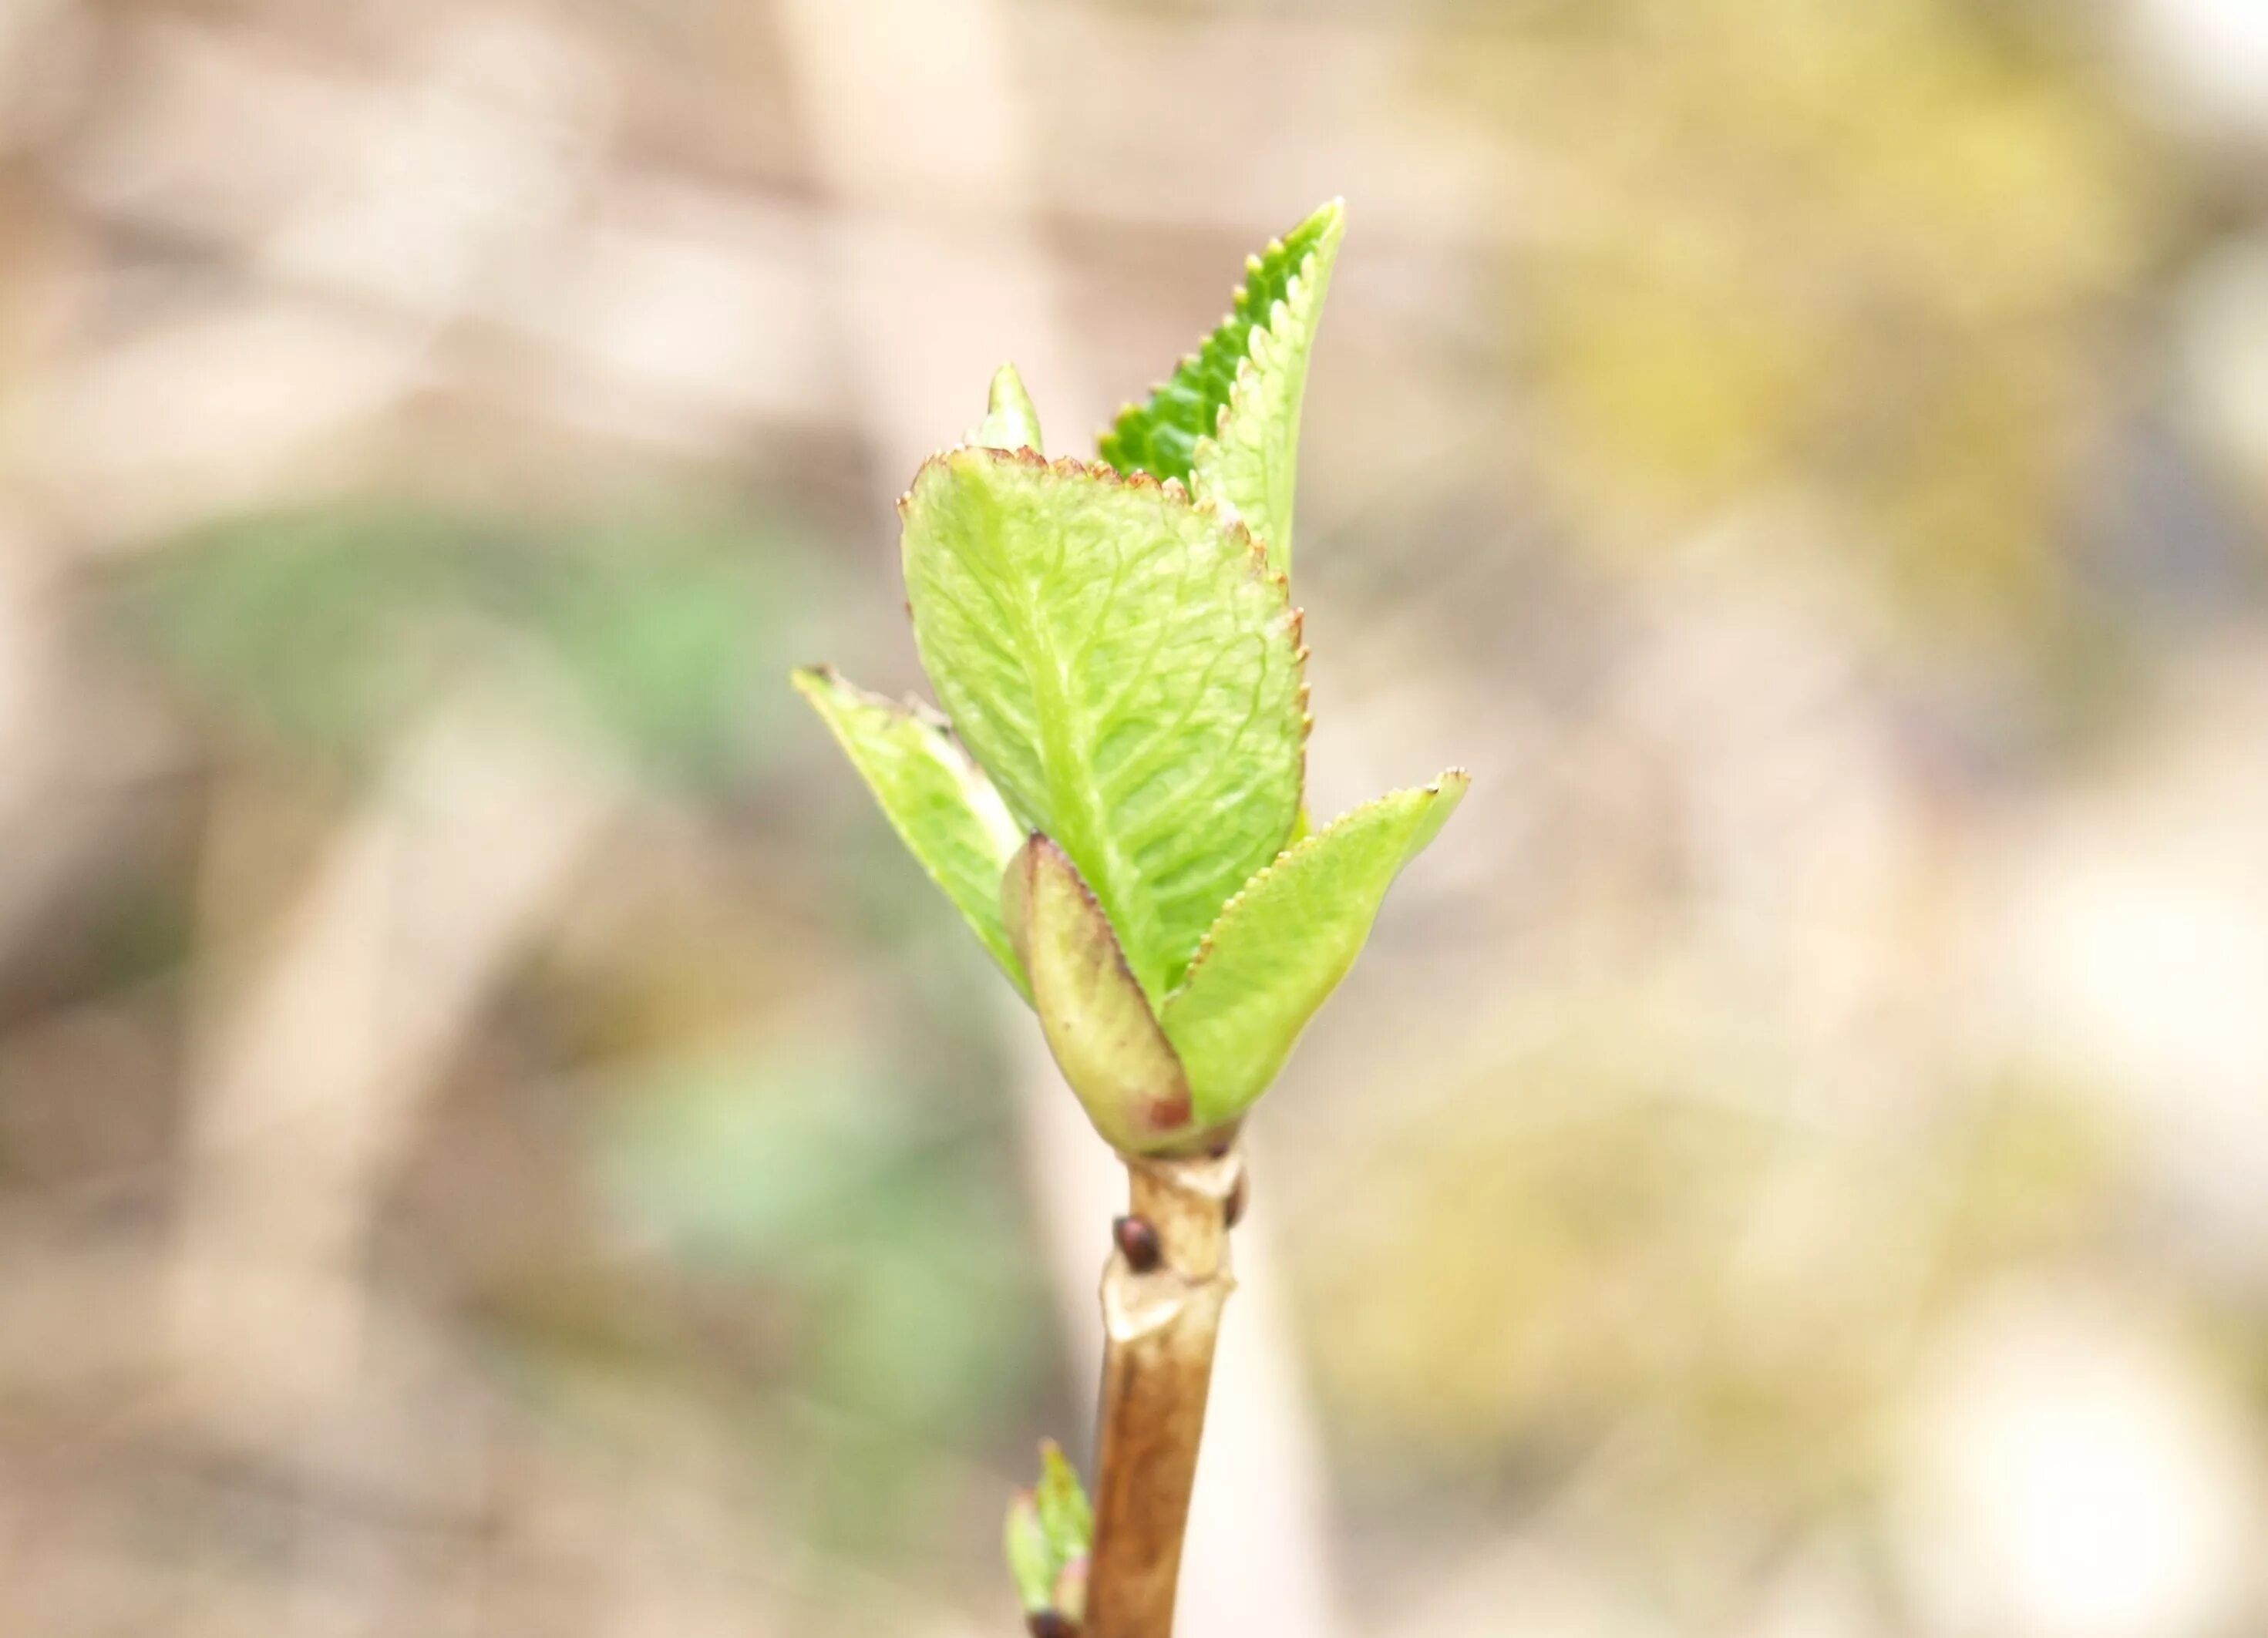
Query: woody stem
(1162, 1295)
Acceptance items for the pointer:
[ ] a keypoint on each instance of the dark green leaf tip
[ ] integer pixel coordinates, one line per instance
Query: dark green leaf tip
(1160, 435)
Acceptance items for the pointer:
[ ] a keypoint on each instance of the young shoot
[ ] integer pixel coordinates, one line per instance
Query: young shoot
(1114, 799)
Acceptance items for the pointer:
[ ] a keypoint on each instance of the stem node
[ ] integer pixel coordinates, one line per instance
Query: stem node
(1162, 1298)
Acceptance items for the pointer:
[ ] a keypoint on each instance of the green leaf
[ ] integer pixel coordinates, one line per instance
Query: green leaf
(1161, 436)
(1252, 463)
(1283, 945)
(1126, 668)
(1009, 421)
(1097, 1021)
(1031, 1564)
(1064, 1513)
(944, 808)
(1049, 1534)
(1070, 1589)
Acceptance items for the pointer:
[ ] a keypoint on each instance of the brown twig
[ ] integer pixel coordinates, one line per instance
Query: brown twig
(1159, 1325)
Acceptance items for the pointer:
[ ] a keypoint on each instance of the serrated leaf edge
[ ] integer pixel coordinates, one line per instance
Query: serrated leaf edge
(1435, 788)
(1268, 329)
(1290, 312)
(1071, 466)
(1237, 299)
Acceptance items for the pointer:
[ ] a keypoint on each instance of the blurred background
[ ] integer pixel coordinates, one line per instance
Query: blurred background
(497, 1140)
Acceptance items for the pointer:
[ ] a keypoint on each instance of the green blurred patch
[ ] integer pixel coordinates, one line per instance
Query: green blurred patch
(895, 1243)
(730, 1163)
(319, 631)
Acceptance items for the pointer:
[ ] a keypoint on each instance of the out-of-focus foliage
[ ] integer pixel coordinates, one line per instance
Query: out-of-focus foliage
(1582, 1257)
(329, 629)
(1873, 265)
(806, 1176)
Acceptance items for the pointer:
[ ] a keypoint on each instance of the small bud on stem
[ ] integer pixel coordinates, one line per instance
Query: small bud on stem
(1137, 1243)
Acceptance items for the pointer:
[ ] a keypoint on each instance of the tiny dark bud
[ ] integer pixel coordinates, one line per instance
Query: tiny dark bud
(1049, 1624)
(1237, 1197)
(1137, 1243)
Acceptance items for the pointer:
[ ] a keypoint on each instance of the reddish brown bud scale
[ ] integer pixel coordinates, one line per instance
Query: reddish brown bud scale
(1137, 1243)
(1168, 1113)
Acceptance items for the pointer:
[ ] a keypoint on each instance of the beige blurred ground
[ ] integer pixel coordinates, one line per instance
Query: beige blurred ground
(495, 1141)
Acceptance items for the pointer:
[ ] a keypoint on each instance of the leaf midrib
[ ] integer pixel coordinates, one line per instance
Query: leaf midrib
(1065, 750)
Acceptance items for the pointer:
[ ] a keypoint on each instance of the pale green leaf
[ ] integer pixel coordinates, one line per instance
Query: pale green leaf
(1127, 669)
(1032, 1565)
(1251, 464)
(1097, 1021)
(1010, 421)
(1283, 945)
(1049, 1534)
(1161, 435)
(1070, 1589)
(943, 807)
(1064, 1512)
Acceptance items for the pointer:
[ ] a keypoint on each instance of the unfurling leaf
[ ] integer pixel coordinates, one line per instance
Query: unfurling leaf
(1031, 1563)
(944, 807)
(1284, 943)
(1251, 464)
(1050, 1534)
(1097, 1021)
(1128, 670)
(1009, 421)
(1161, 435)
(1064, 1513)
